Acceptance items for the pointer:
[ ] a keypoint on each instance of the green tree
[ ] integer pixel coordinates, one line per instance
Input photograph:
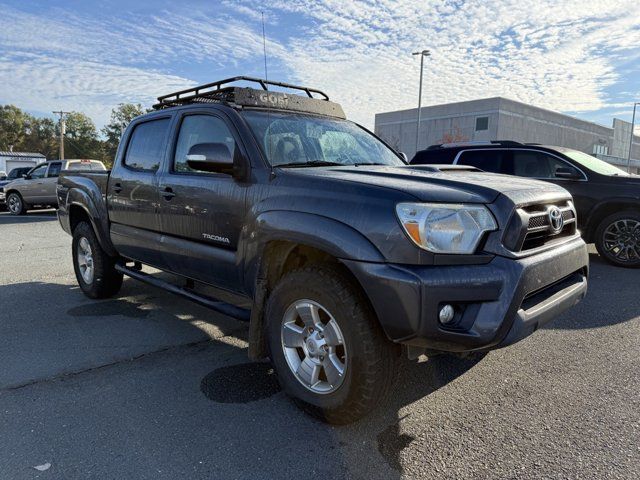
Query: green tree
(121, 116)
(81, 137)
(40, 136)
(12, 127)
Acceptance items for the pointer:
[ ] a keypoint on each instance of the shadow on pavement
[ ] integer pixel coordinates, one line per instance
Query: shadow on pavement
(415, 381)
(612, 298)
(34, 216)
(63, 336)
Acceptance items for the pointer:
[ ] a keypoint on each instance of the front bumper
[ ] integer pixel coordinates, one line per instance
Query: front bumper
(497, 304)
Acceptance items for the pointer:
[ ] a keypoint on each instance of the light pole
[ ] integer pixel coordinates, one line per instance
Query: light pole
(423, 53)
(633, 123)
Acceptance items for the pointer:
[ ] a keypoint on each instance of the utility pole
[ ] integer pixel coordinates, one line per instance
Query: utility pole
(633, 124)
(423, 53)
(62, 131)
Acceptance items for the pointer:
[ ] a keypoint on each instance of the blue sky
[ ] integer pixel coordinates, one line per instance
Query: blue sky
(579, 57)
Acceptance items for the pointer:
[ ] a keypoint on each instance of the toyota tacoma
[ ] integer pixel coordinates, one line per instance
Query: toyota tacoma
(348, 257)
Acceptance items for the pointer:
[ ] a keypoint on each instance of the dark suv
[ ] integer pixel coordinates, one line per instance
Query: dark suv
(606, 198)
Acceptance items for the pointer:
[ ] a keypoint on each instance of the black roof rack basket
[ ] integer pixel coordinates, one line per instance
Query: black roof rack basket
(223, 91)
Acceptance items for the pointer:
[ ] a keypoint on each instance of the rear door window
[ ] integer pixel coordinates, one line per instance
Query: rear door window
(147, 145)
(535, 164)
(486, 160)
(54, 169)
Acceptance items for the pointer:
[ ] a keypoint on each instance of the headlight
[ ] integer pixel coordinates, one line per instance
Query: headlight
(445, 228)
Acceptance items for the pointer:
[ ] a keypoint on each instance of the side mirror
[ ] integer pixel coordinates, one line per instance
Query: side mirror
(26, 176)
(210, 157)
(568, 173)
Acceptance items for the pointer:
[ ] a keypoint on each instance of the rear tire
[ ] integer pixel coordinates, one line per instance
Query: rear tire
(95, 270)
(352, 361)
(16, 204)
(618, 239)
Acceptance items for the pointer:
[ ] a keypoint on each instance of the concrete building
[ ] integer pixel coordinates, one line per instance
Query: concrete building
(503, 119)
(10, 160)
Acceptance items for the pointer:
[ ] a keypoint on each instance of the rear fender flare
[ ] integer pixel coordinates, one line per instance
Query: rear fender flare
(97, 213)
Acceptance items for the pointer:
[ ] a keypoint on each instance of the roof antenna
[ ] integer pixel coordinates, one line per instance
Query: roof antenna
(264, 48)
(266, 77)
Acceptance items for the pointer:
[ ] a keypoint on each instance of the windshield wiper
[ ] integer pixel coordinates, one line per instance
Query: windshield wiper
(312, 163)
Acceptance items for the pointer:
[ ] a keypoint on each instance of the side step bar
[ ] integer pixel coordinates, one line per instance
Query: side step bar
(204, 300)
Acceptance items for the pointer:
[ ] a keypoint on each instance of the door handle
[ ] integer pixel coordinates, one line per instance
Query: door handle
(167, 193)
(117, 188)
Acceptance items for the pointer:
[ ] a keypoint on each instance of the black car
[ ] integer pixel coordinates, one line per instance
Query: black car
(347, 255)
(606, 198)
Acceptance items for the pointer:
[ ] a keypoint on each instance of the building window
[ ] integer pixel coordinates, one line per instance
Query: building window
(600, 149)
(482, 123)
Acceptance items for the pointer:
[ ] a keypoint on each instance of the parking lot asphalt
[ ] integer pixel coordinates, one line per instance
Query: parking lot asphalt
(147, 385)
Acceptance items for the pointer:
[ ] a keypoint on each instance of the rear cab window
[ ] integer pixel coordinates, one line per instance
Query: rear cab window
(146, 145)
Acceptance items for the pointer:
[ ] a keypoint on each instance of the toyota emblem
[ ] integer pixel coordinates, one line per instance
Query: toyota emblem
(555, 219)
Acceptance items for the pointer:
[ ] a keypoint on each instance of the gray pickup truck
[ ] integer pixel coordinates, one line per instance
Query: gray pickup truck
(348, 256)
(37, 187)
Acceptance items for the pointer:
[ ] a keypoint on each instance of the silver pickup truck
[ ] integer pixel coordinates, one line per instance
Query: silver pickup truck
(38, 186)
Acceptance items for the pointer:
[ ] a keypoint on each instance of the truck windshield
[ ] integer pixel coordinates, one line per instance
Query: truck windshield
(298, 140)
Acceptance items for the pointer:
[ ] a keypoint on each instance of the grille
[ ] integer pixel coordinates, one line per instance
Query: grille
(538, 221)
(530, 227)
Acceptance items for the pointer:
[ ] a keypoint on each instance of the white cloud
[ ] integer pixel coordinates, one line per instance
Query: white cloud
(46, 84)
(559, 55)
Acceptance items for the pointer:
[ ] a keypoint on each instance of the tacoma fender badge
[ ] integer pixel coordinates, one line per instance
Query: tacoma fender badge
(216, 238)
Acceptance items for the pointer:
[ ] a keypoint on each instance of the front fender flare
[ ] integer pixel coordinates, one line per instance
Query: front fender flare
(331, 236)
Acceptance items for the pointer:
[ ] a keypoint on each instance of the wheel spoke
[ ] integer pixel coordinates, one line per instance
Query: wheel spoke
(332, 334)
(308, 314)
(309, 371)
(292, 335)
(84, 245)
(333, 368)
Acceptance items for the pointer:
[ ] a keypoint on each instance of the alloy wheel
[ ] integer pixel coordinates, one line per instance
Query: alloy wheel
(314, 346)
(621, 240)
(85, 260)
(15, 204)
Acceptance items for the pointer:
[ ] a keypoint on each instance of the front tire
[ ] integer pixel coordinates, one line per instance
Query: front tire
(95, 270)
(16, 204)
(327, 346)
(618, 239)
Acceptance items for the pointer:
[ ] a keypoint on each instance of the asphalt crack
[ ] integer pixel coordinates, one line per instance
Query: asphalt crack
(67, 375)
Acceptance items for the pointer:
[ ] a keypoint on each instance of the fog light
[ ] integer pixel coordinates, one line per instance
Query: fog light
(447, 314)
